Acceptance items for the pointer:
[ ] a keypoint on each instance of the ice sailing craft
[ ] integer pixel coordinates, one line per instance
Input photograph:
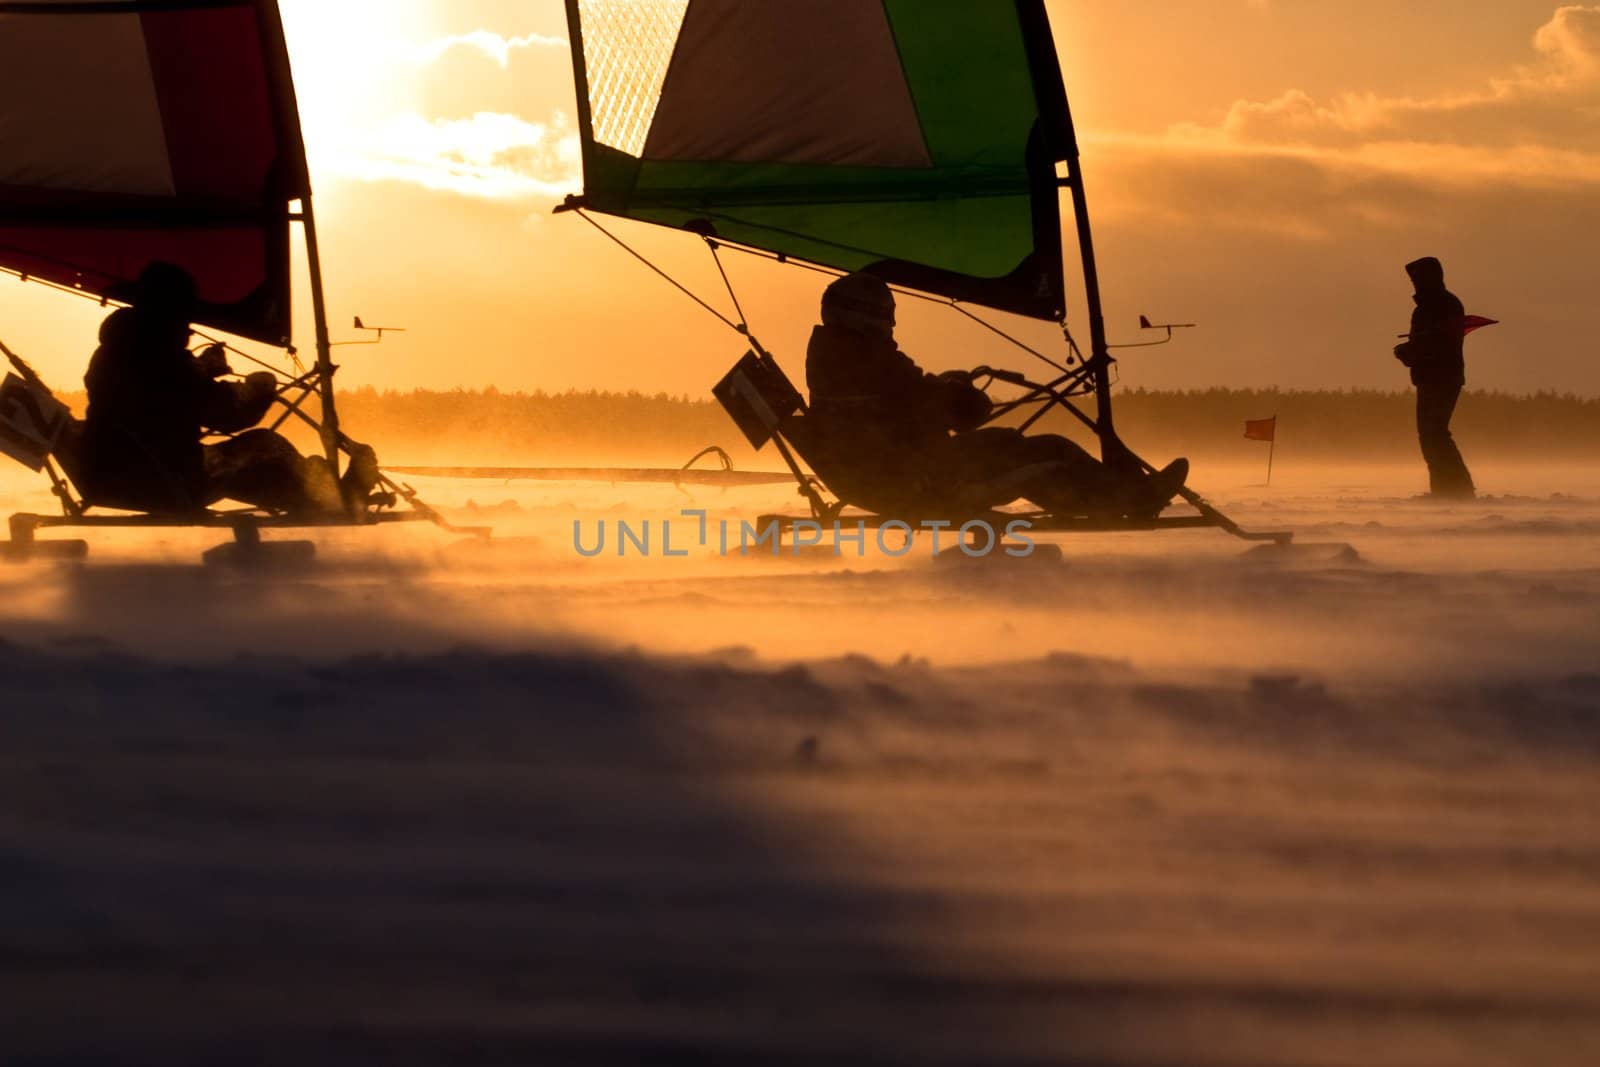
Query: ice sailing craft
(154, 137)
(926, 144)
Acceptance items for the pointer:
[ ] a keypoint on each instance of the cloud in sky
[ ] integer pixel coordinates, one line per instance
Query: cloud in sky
(1537, 111)
(490, 155)
(1310, 168)
(1537, 124)
(493, 45)
(1534, 102)
(1570, 42)
(529, 154)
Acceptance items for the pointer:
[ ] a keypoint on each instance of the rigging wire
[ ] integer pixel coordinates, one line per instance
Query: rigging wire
(253, 359)
(742, 327)
(620, 243)
(915, 295)
(107, 302)
(992, 328)
(744, 323)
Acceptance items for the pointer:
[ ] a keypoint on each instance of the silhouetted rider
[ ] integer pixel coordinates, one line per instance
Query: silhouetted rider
(900, 441)
(151, 402)
(1438, 370)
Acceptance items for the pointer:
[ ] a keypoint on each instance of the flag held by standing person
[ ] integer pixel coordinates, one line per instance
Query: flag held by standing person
(1261, 429)
(1468, 324)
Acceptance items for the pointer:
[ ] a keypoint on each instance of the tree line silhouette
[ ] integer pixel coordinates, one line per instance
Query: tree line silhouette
(487, 426)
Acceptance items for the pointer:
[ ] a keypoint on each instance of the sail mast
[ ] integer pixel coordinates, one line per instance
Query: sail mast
(1099, 347)
(329, 423)
(297, 178)
(1057, 125)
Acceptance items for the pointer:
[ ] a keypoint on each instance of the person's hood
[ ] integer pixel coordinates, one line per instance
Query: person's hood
(861, 302)
(1427, 274)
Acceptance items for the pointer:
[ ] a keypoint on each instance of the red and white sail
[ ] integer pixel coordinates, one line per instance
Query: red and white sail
(147, 130)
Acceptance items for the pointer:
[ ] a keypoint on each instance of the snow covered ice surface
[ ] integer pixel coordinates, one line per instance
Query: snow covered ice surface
(1160, 802)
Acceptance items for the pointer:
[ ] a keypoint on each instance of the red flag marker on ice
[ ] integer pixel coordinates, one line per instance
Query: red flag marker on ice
(1261, 429)
(1264, 430)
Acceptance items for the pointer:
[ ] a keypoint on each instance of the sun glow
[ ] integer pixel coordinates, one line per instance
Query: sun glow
(360, 69)
(345, 58)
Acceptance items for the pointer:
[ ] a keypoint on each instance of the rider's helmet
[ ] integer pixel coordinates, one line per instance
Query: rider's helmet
(167, 290)
(859, 302)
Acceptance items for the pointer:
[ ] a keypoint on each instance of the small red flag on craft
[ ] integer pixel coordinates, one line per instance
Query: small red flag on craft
(1261, 429)
(1478, 322)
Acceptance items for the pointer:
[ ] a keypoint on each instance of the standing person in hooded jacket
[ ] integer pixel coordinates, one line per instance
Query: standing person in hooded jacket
(1433, 351)
(903, 442)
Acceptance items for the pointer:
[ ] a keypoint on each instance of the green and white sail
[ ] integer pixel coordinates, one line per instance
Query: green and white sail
(916, 139)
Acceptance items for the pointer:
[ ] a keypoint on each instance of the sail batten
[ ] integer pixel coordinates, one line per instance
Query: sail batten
(161, 130)
(915, 139)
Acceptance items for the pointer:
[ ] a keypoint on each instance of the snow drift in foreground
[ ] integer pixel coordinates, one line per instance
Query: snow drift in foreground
(1160, 803)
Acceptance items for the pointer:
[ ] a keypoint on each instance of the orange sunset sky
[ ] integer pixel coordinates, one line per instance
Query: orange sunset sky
(1261, 167)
